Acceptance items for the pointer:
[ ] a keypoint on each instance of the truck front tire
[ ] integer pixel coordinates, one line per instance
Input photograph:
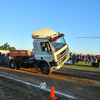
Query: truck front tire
(45, 69)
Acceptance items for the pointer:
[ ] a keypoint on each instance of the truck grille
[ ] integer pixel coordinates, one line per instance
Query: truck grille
(62, 56)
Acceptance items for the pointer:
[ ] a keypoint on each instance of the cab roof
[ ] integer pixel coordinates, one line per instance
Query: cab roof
(43, 33)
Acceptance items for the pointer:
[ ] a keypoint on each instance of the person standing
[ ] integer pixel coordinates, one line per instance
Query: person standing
(96, 61)
(92, 61)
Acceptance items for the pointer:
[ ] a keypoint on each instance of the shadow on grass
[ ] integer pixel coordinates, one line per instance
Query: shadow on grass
(87, 66)
(83, 65)
(80, 65)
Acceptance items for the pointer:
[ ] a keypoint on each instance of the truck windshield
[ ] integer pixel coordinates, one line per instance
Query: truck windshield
(58, 44)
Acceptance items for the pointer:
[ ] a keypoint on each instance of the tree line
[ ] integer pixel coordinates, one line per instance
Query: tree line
(7, 47)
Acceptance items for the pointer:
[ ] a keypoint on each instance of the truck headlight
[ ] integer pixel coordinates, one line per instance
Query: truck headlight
(56, 57)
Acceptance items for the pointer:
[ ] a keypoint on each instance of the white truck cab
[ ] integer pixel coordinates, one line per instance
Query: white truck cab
(50, 48)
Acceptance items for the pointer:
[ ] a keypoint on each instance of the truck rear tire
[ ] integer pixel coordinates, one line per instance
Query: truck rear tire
(13, 65)
(45, 69)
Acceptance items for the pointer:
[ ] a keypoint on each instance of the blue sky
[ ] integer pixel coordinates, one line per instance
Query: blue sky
(74, 18)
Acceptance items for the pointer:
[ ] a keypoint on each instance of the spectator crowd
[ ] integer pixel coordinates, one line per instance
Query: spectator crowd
(94, 59)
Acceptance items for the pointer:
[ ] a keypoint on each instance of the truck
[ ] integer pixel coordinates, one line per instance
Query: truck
(50, 52)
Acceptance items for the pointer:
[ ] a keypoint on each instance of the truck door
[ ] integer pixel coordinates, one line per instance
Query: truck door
(46, 51)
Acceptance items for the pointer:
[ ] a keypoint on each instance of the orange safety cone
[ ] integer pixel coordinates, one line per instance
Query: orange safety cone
(52, 94)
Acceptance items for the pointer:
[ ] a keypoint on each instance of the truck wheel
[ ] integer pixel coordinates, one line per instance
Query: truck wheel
(45, 69)
(12, 64)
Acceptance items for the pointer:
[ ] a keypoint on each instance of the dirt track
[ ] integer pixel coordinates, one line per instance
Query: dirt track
(83, 86)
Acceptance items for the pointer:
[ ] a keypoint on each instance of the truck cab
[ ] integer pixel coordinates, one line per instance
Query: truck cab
(50, 48)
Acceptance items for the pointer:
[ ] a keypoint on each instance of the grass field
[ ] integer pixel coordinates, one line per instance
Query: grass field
(81, 66)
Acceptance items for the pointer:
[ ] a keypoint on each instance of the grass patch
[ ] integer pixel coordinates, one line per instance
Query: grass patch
(81, 66)
(15, 94)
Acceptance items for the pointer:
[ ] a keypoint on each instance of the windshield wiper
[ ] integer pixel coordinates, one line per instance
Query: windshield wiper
(57, 49)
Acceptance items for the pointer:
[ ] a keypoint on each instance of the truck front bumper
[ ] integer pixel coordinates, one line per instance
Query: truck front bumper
(59, 66)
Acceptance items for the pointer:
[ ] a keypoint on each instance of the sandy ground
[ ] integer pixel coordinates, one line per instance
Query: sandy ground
(81, 85)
